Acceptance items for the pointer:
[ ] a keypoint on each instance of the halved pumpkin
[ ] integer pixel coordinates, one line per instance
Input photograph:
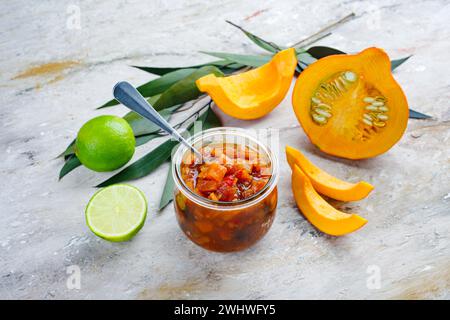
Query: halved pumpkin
(319, 212)
(350, 106)
(325, 183)
(252, 94)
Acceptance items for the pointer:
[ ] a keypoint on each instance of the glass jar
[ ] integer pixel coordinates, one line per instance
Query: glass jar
(218, 225)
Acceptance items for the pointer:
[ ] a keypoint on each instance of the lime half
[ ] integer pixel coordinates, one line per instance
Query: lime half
(116, 213)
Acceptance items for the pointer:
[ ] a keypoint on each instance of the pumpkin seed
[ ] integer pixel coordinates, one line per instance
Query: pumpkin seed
(383, 109)
(326, 90)
(335, 89)
(368, 117)
(371, 108)
(323, 113)
(324, 106)
(319, 119)
(343, 83)
(379, 124)
(338, 85)
(324, 95)
(315, 100)
(378, 103)
(368, 122)
(350, 76)
(382, 117)
(368, 99)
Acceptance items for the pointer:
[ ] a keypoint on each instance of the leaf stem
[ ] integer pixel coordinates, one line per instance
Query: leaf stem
(314, 40)
(318, 34)
(269, 43)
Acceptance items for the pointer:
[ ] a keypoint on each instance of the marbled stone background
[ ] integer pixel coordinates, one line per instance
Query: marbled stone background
(42, 229)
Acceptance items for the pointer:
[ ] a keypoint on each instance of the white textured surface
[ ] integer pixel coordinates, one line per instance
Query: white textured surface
(42, 229)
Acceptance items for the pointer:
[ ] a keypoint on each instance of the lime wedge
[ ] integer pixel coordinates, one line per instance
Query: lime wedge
(116, 213)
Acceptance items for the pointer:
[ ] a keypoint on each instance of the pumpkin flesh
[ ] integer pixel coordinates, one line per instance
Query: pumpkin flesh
(350, 105)
(319, 212)
(252, 94)
(325, 183)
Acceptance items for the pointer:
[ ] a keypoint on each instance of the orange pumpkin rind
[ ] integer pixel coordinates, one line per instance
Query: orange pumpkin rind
(319, 212)
(350, 106)
(325, 183)
(255, 93)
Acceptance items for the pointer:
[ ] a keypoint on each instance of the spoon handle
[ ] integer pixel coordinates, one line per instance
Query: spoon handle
(126, 94)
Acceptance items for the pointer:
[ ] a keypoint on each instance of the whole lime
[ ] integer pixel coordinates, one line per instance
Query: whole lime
(105, 143)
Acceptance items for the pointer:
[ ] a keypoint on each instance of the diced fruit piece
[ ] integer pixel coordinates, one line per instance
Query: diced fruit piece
(181, 201)
(261, 170)
(213, 171)
(204, 226)
(225, 234)
(243, 176)
(229, 181)
(245, 164)
(189, 183)
(234, 168)
(227, 194)
(204, 185)
(203, 240)
(325, 183)
(319, 212)
(212, 196)
(255, 187)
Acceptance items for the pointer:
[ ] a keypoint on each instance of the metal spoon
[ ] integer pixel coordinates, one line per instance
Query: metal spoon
(126, 94)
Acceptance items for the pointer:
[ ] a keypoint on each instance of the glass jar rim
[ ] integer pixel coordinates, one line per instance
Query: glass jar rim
(224, 205)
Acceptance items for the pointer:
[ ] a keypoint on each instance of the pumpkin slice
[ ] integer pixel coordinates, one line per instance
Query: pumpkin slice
(252, 94)
(350, 106)
(319, 212)
(325, 183)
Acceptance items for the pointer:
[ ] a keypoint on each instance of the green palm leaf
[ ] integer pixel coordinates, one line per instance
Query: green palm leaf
(157, 86)
(185, 89)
